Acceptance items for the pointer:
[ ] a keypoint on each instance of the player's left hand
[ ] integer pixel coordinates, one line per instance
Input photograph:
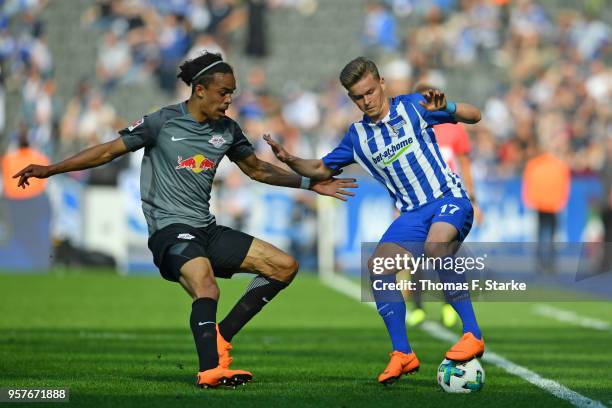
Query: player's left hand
(435, 100)
(334, 187)
(279, 151)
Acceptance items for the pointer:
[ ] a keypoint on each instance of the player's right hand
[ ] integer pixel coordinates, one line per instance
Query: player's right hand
(278, 150)
(434, 100)
(33, 170)
(335, 187)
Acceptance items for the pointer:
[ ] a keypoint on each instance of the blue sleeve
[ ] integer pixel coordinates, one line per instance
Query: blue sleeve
(342, 155)
(432, 118)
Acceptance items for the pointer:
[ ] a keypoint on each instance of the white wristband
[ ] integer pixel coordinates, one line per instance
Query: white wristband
(305, 183)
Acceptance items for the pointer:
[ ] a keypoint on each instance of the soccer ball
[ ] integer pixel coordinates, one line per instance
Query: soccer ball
(461, 376)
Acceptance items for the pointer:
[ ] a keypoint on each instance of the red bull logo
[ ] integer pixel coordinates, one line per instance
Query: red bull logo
(197, 163)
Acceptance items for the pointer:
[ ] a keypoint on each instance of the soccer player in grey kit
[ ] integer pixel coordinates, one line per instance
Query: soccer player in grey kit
(184, 144)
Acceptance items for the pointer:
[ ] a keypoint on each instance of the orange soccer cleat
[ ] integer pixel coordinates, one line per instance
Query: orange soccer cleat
(400, 363)
(223, 349)
(222, 376)
(466, 348)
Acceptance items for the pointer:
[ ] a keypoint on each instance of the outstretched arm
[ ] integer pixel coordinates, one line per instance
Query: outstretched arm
(268, 173)
(88, 158)
(435, 100)
(313, 168)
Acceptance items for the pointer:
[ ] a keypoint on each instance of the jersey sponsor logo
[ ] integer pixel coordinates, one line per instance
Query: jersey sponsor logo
(217, 141)
(196, 164)
(185, 236)
(136, 124)
(393, 151)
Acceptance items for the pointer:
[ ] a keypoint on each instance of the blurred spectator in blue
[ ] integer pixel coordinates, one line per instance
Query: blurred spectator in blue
(401, 8)
(174, 43)
(199, 16)
(590, 37)
(528, 18)
(380, 27)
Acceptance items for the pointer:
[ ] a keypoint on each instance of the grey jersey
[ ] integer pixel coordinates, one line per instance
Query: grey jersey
(180, 161)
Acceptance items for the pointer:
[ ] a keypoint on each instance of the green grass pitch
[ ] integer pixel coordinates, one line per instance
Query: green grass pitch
(125, 341)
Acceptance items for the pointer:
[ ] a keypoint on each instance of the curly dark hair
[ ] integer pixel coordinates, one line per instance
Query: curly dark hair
(190, 68)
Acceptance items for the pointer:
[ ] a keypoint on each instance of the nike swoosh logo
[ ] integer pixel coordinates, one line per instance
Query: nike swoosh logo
(264, 299)
(203, 323)
(174, 139)
(395, 156)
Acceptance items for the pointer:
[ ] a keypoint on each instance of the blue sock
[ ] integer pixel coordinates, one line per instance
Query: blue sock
(466, 312)
(391, 307)
(460, 301)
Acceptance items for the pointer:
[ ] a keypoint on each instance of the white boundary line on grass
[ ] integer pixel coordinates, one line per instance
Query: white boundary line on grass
(568, 316)
(439, 332)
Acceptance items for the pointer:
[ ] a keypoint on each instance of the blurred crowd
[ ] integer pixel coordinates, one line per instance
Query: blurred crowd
(550, 69)
(553, 87)
(141, 40)
(26, 64)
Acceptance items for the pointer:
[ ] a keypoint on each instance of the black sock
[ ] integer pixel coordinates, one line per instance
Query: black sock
(260, 291)
(203, 325)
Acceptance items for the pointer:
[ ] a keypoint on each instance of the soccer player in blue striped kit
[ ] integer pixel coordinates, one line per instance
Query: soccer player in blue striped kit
(395, 143)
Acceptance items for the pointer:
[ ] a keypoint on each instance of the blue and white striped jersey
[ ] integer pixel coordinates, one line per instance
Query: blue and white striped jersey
(401, 152)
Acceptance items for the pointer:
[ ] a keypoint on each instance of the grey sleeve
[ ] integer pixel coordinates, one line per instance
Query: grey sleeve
(241, 147)
(138, 134)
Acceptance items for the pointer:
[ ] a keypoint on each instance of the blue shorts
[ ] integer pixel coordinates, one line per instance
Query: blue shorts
(413, 226)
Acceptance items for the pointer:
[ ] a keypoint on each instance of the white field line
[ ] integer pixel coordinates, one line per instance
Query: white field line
(568, 316)
(439, 332)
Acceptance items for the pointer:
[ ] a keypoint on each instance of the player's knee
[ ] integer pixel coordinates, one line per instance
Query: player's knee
(286, 267)
(205, 286)
(438, 249)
